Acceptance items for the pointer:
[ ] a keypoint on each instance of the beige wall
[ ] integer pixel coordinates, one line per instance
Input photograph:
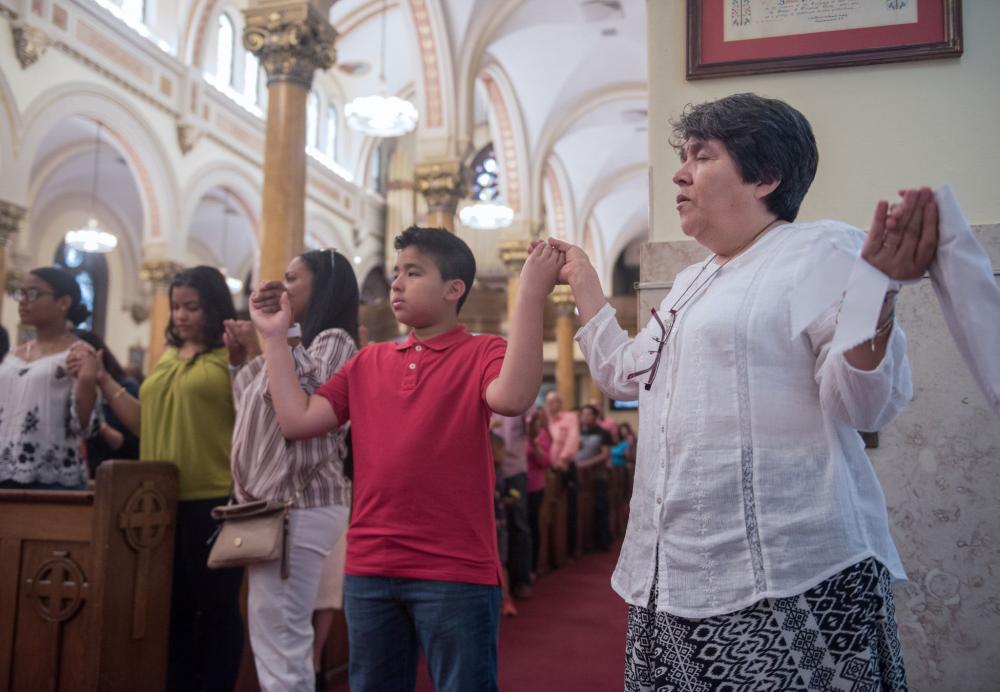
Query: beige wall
(878, 127)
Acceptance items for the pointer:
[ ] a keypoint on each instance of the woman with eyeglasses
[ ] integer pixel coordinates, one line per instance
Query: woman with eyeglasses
(758, 553)
(48, 393)
(322, 290)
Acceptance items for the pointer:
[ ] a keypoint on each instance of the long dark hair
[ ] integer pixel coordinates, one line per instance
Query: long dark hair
(63, 284)
(216, 304)
(108, 360)
(333, 300)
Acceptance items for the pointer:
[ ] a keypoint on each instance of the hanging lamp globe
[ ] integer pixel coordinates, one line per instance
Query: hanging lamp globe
(381, 116)
(91, 239)
(486, 216)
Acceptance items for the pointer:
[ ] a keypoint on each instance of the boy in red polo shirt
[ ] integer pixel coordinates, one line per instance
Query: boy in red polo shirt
(422, 567)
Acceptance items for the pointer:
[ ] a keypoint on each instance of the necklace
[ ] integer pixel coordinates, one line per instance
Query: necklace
(676, 307)
(43, 350)
(683, 300)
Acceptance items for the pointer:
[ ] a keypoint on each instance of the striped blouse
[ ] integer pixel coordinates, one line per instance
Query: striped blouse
(265, 465)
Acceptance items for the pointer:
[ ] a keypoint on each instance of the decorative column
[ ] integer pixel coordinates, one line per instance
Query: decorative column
(440, 183)
(292, 39)
(159, 274)
(513, 254)
(11, 219)
(562, 297)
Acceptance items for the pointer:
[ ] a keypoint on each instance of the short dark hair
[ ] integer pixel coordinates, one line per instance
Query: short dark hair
(333, 300)
(64, 284)
(216, 304)
(591, 407)
(768, 139)
(452, 256)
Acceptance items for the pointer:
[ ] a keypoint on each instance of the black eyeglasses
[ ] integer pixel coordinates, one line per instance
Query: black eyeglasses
(665, 330)
(29, 294)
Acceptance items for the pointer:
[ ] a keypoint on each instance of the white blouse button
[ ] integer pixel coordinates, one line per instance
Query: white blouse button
(659, 500)
(420, 348)
(412, 366)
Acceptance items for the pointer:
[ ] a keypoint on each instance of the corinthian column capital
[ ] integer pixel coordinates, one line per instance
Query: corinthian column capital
(514, 253)
(440, 183)
(159, 272)
(292, 39)
(11, 220)
(562, 298)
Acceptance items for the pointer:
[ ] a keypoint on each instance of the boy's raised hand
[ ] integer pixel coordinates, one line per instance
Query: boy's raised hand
(541, 270)
(577, 263)
(271, 324)
(579, 273)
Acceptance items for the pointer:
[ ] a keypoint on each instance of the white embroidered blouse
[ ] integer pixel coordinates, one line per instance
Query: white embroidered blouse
(40, 431)
(751, 479)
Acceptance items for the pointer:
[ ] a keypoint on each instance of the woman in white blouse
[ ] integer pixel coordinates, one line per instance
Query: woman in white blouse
(758, 552)
(48, 391)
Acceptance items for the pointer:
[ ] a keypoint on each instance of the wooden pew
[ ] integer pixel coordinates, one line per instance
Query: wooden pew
(85, 582)
(552, 524)
(585, 538)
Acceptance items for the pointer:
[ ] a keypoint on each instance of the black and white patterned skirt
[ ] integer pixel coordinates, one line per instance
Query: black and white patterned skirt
(839, 635)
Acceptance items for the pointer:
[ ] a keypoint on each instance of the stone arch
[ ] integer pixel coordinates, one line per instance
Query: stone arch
(435, 87)
(511, 147)
(480, 33)
(561, 120)
(134, 138)
(10, 128)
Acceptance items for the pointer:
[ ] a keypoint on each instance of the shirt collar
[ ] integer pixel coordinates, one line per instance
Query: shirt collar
(437, 343)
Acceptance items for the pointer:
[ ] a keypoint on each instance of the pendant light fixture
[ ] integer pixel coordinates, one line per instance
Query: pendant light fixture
(92, 238)
(487, 212)
(380, 115)
(235, 285)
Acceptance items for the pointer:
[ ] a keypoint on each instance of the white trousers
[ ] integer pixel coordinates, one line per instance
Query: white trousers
(280, 610)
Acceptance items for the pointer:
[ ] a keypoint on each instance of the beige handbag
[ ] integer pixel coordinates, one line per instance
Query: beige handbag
(251, 532)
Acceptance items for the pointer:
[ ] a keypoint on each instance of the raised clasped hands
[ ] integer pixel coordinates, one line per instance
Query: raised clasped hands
(270, 310)
(241, 340)
(541, 270)
(83, 362)
(577, 263)
(903, 238)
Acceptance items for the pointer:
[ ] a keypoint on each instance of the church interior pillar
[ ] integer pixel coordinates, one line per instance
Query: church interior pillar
(513, 253)
(562, 297)
(292, 40)
(11, 219)
(440, 182)
(158, 273)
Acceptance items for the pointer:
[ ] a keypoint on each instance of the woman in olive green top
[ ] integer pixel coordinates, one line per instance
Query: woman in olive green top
(186, 416)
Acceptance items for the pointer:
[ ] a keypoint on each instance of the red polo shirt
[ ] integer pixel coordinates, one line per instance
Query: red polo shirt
(423, 466)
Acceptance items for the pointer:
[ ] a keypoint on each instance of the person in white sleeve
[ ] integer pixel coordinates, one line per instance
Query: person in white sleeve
(758, 553)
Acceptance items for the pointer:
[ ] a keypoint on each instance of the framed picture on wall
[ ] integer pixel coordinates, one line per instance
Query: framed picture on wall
(747, 37)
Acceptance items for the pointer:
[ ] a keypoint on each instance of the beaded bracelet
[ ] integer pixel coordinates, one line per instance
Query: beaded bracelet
(884, 327)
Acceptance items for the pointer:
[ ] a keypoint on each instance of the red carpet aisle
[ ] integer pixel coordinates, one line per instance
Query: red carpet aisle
(570, 636)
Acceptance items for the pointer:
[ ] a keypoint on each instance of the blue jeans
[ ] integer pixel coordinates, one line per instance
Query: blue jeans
(457, 625)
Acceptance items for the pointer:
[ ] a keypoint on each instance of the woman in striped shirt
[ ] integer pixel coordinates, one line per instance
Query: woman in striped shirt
(323, 292)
